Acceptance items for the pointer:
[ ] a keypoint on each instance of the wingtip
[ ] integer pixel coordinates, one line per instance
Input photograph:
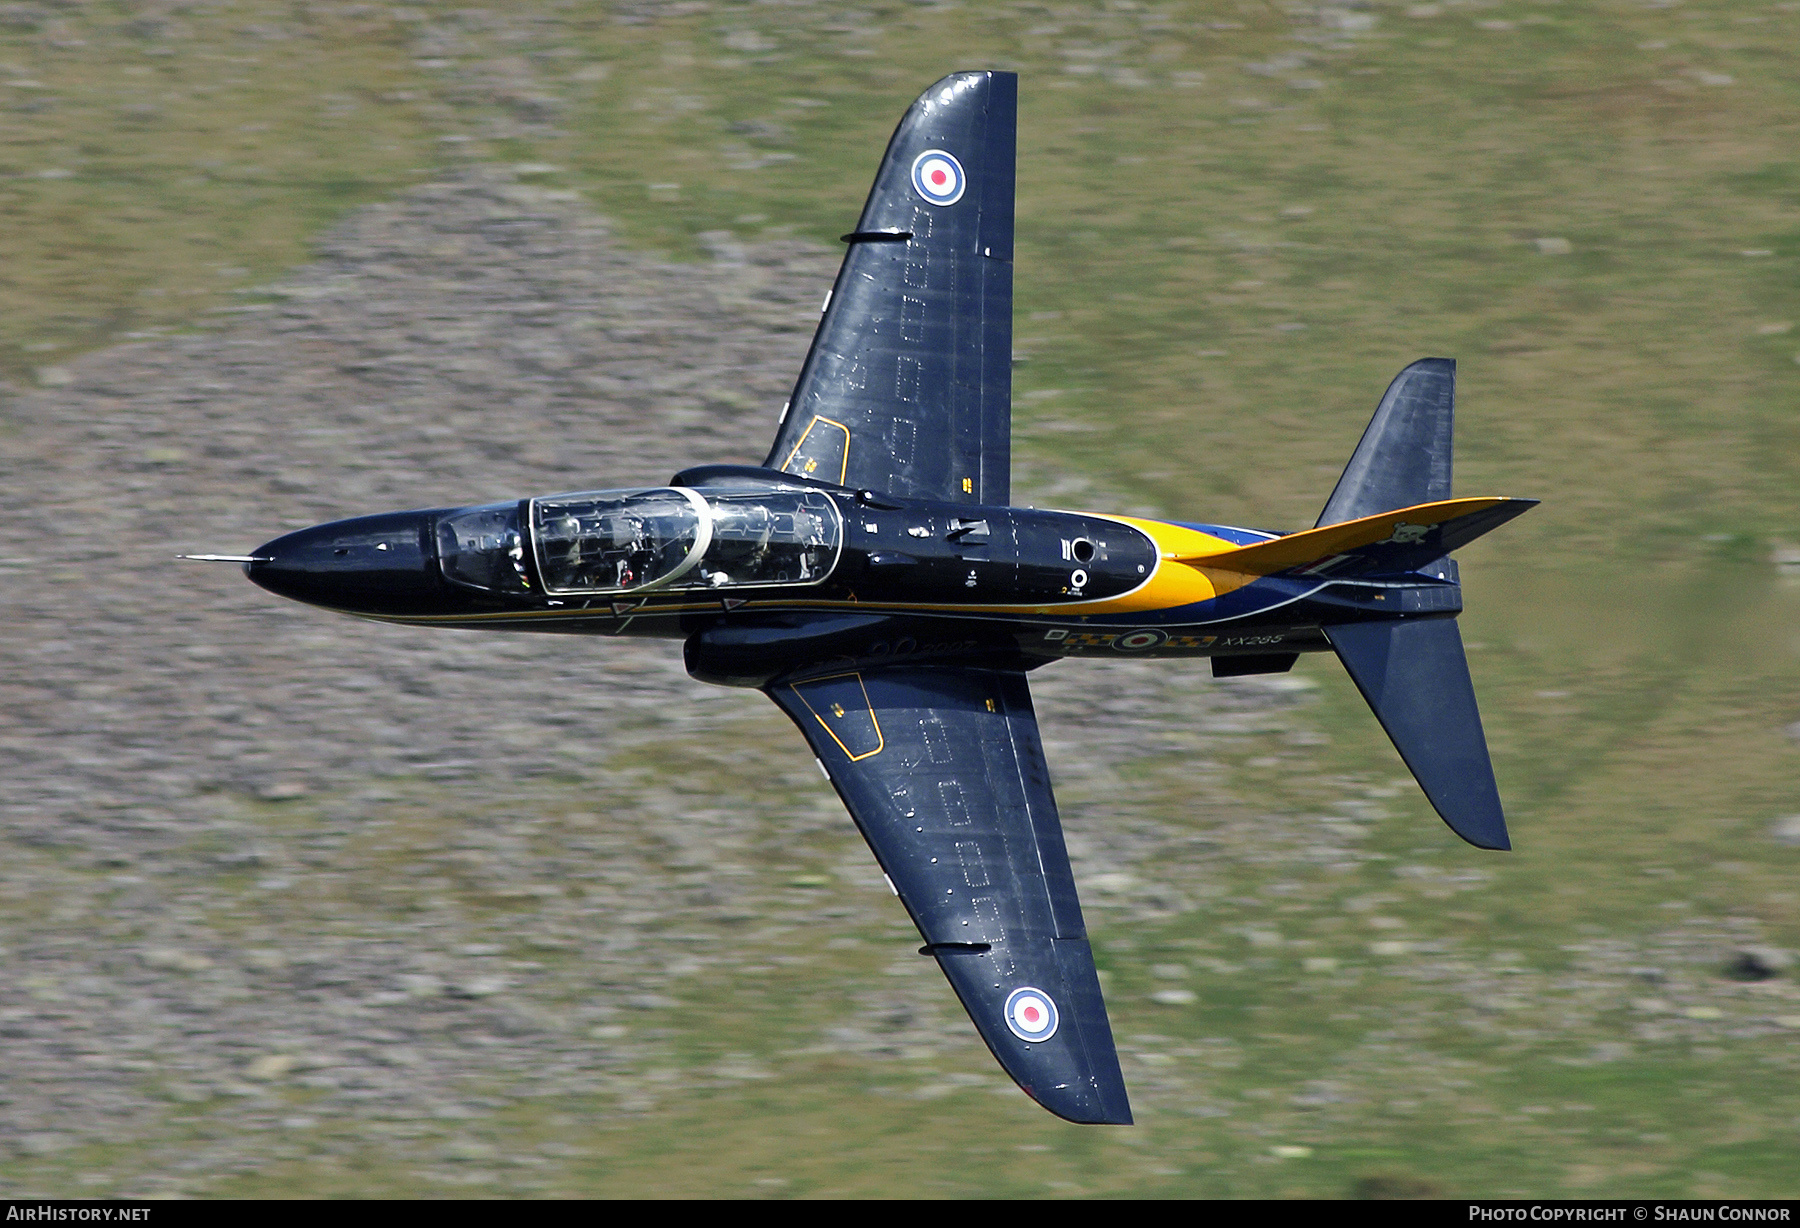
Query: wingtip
(1487, 834)
(1098, 1107)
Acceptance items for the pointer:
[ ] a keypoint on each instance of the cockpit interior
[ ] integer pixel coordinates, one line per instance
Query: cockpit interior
(620, 541)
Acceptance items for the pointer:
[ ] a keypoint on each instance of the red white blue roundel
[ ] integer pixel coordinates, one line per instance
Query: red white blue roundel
(938, 177)
(1031, 1014)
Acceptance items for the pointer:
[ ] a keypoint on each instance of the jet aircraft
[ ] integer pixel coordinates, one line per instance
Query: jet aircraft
(872, 578)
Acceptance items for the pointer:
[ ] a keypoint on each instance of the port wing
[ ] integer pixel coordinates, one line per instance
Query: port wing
(908, 386)
(944, 773)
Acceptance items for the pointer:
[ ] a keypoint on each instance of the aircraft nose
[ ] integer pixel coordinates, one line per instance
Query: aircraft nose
(384, 564)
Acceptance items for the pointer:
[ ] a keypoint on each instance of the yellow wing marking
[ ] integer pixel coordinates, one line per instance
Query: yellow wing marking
(854, 726)
(820, 452)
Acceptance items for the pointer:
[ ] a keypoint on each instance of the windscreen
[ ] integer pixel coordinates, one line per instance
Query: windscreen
(614, 541)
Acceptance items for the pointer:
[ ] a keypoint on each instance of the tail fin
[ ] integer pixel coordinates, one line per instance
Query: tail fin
(1413, 672)
(1416, 678)
(1404, 455)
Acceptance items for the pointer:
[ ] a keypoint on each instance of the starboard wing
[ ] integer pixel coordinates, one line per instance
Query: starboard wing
(944, 773)
(908, 386)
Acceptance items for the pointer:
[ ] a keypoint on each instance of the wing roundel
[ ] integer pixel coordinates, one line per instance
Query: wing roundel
(908, 386)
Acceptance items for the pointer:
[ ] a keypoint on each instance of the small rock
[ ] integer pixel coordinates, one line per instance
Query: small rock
(1290, 1151)
(463, 1150)
(1787, 830)
(55, 377)
(175, 960)
(1392, 1187)
(269, 1068)
(1704, 1012)
(1175, 997)
(1759, 963)
(1391, 946)
(43, 1143)
(281, 791)
(480, 987)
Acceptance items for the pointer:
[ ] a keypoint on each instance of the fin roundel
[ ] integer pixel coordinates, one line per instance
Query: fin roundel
(938, 177)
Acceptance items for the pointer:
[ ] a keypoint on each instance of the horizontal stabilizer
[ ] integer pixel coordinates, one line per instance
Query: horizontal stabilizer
(1392, 542)
(1416, 678)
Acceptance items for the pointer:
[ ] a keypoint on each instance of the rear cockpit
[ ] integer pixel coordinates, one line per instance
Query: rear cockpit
(619, 541)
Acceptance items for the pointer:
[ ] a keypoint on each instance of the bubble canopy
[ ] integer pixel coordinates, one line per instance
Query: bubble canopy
(629, 541)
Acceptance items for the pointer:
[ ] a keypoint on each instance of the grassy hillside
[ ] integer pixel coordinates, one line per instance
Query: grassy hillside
(1236, 222)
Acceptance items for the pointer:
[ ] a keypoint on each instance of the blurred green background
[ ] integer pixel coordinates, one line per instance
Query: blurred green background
(1236, 222)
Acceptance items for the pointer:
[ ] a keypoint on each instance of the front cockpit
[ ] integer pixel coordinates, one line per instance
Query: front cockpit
(631, 541)
(484, 547)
